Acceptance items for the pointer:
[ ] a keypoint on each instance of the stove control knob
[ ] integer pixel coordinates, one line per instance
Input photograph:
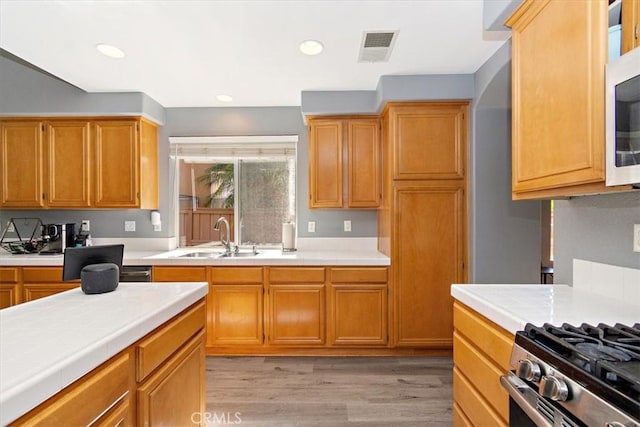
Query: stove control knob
(553, 388)
(528, 370)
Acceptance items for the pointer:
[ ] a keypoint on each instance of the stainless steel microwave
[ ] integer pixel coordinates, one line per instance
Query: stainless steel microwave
(623, 120)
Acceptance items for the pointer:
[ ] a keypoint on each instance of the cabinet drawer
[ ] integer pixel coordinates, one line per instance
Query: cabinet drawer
(179, 274)
(296, 275)
(472, 403)
(9, 275)
(494, 340)
(158, 346)
(42, 274)
(482, 373)
(85, 400)
(236, 275)
(359, 275)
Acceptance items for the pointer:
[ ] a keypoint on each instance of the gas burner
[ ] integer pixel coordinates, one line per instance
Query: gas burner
(599, 351)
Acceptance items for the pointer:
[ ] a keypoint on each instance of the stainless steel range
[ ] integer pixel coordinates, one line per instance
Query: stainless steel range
(575, 376)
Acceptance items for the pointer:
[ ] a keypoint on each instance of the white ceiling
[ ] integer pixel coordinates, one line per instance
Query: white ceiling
(184, 53)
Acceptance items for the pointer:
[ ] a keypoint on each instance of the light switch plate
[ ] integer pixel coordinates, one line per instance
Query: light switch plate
(86, 225)
(129, 226)
(311, 226)
(636, 237)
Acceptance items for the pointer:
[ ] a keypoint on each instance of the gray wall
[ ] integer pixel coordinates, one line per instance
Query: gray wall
(595, 228)
(261, 121)
(26, 92)
(505, 234)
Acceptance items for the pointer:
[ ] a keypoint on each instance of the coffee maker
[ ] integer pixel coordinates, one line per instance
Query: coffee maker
(57, 237)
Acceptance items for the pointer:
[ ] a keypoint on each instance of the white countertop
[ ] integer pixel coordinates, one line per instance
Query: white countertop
(48, 343)
(265, 257)
(512, 306)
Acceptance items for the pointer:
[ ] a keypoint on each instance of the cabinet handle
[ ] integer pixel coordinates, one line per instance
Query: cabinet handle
(44, 196)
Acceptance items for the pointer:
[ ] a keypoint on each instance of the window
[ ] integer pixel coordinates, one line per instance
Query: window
(248, 180)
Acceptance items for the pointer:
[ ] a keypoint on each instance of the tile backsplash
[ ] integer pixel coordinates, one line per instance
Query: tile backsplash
(621, 283)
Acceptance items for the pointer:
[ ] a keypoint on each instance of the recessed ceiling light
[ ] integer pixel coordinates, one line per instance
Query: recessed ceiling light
(110, 51)
(311, 47)
(224, 98)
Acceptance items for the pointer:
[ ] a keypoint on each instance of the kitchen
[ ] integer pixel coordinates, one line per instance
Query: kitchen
(503, 237)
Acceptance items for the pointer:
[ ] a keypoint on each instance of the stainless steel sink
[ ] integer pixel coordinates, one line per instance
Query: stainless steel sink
(200, 255)
(240, 254)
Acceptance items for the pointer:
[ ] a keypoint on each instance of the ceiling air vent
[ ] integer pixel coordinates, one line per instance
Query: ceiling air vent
(377, 45)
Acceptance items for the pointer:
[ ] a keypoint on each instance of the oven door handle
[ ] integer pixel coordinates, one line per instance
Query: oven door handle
(516, 389)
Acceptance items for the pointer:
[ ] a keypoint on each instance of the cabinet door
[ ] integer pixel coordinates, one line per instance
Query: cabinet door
(325, 164)
(630, 25)
(558, 108)
(40, 282)
(117, 168)
(9, 295)
(21, 159)
(10, 288)
(69, 160)
(236, 314)
(428, 140)
(179, 274)
(176, 392)
(364, 163)
(296, 314)
(428, 257)
(358, 314)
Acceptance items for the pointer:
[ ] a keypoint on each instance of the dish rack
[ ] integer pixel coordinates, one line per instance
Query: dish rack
(12, 236)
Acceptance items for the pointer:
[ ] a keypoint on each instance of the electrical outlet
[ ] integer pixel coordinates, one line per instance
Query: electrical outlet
(129, 226)
(86, 226)
(347, 225)
(311, 226)
(636, 237)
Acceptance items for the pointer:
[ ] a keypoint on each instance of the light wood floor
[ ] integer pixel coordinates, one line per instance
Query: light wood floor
(329, 391)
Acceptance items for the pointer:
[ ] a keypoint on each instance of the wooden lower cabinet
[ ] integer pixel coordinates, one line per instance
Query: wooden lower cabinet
(40, 282)
(481, 353)
(236, 315)
(430, 246)
(10, 287)
(358, 307)
(84, 402)
(159, 380)
(296, 301)
(296, 314)
(179, 274)
(255, 310)
(176, 392)
(236, 306)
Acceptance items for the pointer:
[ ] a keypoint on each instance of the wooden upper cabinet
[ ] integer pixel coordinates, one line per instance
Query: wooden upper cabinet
(117, 170)
(68, 161)
(630, 25)
(558, 96)
(428, 140)
(325, 164)
(22, 160)
(344, 162)
(363, 144)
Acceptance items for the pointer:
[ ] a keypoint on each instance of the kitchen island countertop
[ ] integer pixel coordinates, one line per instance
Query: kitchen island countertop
(49, 343)
(512, 306)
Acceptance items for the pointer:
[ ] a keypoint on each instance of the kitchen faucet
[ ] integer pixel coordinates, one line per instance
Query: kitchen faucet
(226, 242)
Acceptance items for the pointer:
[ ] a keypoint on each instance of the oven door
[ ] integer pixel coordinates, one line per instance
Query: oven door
(528, 408)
